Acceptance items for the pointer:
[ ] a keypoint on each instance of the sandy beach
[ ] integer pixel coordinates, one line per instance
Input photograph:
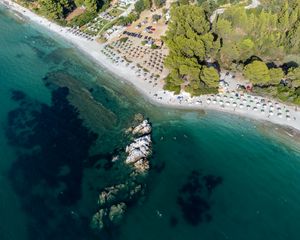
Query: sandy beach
(255, 107)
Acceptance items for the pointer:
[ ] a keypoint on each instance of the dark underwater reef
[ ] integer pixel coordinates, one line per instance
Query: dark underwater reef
(51, 144)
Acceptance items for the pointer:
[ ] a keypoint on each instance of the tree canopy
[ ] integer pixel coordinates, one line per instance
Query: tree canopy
(190, 43)
(270, 33)
(59, 9)
(257, 72)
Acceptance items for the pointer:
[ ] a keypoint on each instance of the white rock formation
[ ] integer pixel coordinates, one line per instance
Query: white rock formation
(143, 128)
(139, 149)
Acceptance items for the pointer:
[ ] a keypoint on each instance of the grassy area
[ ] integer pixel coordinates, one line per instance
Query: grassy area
(108, 26)
(115, 12)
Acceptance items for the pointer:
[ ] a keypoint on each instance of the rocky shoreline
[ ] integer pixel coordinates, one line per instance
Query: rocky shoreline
(113, 201)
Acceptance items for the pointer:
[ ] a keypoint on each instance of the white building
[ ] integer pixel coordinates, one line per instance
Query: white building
(124, 3)
(168, 15)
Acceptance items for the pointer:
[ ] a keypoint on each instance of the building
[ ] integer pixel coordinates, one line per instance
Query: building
(168, 16)
(124, 3)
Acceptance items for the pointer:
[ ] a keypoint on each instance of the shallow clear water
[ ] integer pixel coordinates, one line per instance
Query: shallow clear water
(213, 176)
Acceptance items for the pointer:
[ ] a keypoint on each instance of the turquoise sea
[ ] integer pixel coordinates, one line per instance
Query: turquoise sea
(62, 118)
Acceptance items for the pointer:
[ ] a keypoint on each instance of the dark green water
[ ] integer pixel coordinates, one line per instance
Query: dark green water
(62, 118)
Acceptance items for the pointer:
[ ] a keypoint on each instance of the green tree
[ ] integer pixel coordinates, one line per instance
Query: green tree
(52, 8)
(210, 77)
(190, 43)
(245, 48)
(91, 5)
(139, 6)
(276, 75)
(142, 5)
(258, 73)
(223, 28)
(79, 3)
(156, 17)
(294, 76)
(283, 19)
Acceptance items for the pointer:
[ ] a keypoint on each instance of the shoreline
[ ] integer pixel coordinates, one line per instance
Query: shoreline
(244, 105)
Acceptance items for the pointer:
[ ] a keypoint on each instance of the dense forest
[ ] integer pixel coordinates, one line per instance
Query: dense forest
(191, 43)
(263, 43)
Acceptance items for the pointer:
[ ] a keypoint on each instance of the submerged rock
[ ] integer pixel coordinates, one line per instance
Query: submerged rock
(136, 190)
(111, 194)
(128, 130)
(117, 212)
(142, 166)
(98, 219)
(138, 117)
(113, 200)
(119, 193)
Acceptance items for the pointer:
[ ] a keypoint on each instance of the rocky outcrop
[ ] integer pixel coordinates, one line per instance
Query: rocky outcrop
(98, 219)
(117, 212)
(120, 192)
(142, 166)
(140, 149)
(143, 128)
(108, 216)
(110, 194)
(113, 200)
